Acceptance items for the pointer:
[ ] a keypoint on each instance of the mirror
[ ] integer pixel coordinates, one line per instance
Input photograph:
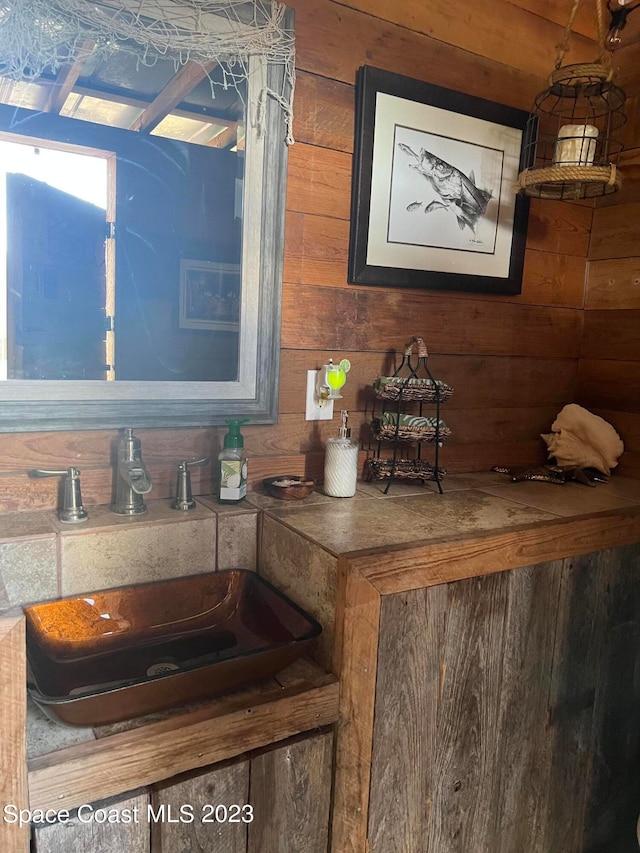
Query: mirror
(148, 291)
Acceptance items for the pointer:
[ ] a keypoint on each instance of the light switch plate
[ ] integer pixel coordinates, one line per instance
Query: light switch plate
(313, 412)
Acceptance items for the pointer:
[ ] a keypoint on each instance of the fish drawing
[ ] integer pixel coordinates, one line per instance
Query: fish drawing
(456, 190)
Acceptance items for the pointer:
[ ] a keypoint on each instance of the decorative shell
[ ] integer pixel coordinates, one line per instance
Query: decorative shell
(583, 439)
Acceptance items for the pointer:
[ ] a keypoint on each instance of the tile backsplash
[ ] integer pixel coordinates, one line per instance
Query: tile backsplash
(41, 558)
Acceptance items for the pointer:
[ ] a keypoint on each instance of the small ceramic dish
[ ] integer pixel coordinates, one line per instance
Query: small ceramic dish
(288, 487)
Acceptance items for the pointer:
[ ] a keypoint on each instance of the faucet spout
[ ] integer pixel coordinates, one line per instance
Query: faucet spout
(131, 477)
(136, 476)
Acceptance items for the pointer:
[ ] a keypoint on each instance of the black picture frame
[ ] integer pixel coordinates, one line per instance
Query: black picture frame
(459, 230)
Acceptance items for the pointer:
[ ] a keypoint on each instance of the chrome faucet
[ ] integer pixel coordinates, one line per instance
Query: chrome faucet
(131, 478)
(72, 511)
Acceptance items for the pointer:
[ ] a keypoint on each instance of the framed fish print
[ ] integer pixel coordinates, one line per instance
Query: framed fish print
(433, 200)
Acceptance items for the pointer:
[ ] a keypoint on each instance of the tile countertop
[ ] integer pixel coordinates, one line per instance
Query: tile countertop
(471, 504)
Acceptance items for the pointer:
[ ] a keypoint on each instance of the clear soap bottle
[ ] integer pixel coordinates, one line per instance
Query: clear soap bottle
(232, 465)
(341, 463)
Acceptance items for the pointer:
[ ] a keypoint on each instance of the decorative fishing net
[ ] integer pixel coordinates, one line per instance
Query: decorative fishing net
(40, 34)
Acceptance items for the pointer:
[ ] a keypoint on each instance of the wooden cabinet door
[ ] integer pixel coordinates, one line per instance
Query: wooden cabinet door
(507, 715)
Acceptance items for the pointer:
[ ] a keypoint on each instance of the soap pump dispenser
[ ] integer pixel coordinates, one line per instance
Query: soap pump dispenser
(341, 463)
(232, 465)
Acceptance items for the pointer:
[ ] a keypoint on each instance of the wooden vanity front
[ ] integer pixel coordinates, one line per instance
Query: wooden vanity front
(489, 693)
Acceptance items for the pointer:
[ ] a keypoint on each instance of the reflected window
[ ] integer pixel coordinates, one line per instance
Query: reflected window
(125, 262)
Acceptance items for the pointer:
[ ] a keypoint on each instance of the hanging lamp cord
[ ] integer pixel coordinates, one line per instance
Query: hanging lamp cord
(604, 56)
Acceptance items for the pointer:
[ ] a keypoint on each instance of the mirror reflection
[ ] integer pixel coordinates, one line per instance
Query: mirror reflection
(121, 226)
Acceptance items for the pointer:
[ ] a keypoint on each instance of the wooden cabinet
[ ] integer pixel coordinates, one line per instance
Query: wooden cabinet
(507, 712)
(287, 790)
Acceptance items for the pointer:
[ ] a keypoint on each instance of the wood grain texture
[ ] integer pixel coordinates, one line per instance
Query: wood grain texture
(506, 712)
(612, 804)
(319, 181)
(608, 384)
(455, 558)
(324, 112)
(612, 335)
(467, 733)
(333, 41)
(524, 747)
(479, 382)
(579, 633)
(486, 37)
(356, 649)
(323, 312)
(615, 233)
(223, 785)
(378, 319)
(408, 703)
(123, 832)
(291, 794)
(552, 279)
(13, 743)
(558, 11)
(557, 226)
(614, 284)
(242, 721)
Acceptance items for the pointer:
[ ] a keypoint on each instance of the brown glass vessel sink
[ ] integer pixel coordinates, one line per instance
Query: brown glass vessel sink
(120, 653)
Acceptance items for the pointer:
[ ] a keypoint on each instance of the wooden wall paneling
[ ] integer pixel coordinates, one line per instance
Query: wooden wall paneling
(629, 164)
(627, 424)
(614, 284)
(479, 382)
(324, 112)
(482, 456)
(552, 279)
(127, 831)
(497, 425)
(333, 41)
(405, 736)
(319, 255)
(319, 181)
(609, 384)
(559, 226)
(224, 785)
(479, 26)
(371, 319)
(613, 784)
(611, 335)
(13, 740)
(615, 231)
(558, 11)
(292, 263)
(290, 792)
(524, 749)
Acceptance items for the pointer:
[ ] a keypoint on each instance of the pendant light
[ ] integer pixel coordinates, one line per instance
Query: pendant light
(573, 138)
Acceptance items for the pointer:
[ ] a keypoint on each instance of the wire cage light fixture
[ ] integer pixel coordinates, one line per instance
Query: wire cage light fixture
(573, 139)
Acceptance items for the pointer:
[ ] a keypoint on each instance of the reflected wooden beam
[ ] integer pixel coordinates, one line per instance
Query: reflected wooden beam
(226, 138)
(66, 79)
(175, 91)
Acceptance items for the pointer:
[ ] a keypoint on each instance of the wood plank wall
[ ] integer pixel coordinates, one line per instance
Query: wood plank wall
(609, 366)
(512, 360)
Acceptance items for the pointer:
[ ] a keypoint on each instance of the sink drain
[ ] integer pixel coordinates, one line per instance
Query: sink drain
(161, 667)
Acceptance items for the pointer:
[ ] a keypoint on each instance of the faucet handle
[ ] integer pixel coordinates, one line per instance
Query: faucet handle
(72, 510)
(184, 498)
(194, 462)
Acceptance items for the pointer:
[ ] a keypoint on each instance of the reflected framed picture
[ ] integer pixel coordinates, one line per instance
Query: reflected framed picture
(433, 191)
(209, 295)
